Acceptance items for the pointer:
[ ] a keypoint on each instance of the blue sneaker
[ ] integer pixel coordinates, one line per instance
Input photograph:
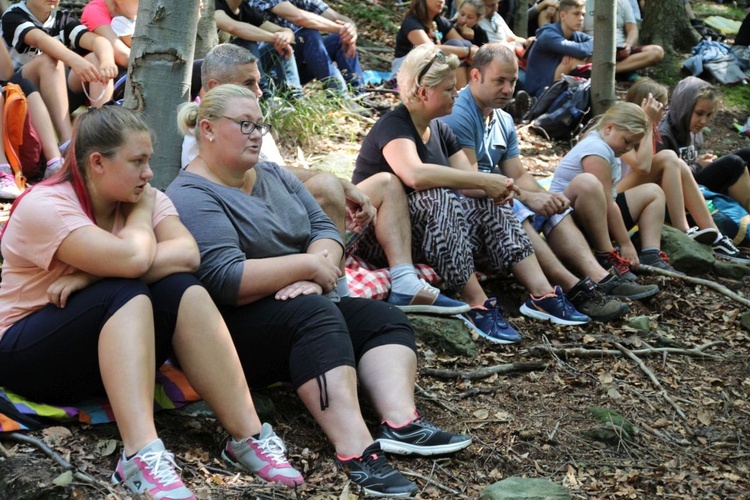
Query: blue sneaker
(489, 323)
(427, 300)
(554, 307)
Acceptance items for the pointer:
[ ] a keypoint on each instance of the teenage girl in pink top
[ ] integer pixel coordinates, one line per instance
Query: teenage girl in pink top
(96, 293)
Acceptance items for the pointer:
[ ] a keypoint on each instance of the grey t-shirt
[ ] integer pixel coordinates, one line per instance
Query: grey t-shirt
(624, 16)
(571, 164)
(279, 218)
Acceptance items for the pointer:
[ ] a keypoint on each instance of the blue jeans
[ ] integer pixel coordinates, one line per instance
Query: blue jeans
(315, 60)
(273, 67)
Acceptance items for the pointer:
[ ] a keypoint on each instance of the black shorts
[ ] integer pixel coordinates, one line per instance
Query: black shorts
(622, 203)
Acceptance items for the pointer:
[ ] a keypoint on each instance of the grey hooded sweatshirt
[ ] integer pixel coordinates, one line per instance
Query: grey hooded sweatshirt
(674, 128)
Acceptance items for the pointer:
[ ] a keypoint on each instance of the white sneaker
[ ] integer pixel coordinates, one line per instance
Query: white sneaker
(8, 188)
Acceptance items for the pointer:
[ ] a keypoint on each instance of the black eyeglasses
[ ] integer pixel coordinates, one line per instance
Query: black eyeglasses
(247, 127)
(439, 56)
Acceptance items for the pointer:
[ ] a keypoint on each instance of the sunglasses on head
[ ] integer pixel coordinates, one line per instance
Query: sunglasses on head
(439, 56)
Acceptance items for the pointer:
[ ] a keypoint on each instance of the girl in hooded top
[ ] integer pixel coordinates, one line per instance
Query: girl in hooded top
(693, 106)
(97, 269)
(644, 164)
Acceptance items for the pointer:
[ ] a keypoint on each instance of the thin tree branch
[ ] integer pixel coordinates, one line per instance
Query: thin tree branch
(698, 281)
(485, 372)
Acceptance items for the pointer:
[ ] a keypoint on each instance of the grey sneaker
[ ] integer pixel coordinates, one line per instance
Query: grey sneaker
(725, 249)
(588, 299)
(153, 472)
(658, 259)
(264, 456)
(616, 286)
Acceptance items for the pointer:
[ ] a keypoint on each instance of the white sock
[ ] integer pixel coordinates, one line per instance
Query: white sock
(405, 280)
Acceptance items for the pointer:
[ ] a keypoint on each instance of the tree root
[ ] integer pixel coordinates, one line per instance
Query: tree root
(653, 378)
(485, 372)
(582, 352)
(454, 493)
(698, 281)
(41, 446)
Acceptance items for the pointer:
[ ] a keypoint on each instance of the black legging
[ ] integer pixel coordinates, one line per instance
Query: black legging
(52, 356)
(719, 175)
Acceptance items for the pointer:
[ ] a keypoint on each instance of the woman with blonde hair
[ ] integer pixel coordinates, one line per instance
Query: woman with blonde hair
(269, 257)
(612, 135)
(460, 218)
(644, 164)
(98, 269)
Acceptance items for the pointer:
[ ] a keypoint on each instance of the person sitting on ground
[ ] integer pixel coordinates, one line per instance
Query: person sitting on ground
(488, 137)
(424, 24)
(97, 268)
(470, 12)
(345, 205)
(643, 164)
(99, 17)
(269, 42)
(693, 105)
(44, 41)
(269, 257)
(459, 218)
(741, 45)
(42, 123)
(541, 13)
(559, 48)
(630, 56)
(332, 59)
(612, 135)
(497, 29)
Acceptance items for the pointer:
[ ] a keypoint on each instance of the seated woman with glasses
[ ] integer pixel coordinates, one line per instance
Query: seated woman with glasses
(269, 258)
(460, 218)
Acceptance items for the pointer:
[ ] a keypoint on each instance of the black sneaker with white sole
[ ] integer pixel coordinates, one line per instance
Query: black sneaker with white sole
(725, 249)
(420, 437)
(375, 476)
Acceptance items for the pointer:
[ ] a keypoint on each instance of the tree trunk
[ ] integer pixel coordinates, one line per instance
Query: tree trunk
(161, 61)
(666, 23)
(603, 71)
(207, 37)
(521, 26)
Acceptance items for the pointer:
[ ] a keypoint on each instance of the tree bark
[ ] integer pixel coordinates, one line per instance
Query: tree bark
(603, 71)
(161, 61)
(207, 37)
(521, 26)
(666, 23)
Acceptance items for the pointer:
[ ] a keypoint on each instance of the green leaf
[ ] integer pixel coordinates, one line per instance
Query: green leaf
(609, 417)
(63, 479)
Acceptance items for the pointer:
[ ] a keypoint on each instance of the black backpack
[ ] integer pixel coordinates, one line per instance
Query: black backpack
(563, 108)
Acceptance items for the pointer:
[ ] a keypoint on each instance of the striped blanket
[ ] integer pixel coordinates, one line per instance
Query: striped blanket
(16, 413)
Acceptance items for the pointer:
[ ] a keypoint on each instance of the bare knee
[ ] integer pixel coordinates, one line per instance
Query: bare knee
(586, 187)
(382, 186)
(650, 193)
(328, 192)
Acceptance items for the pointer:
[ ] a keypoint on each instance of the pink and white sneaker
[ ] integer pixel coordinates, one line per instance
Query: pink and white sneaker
(152, 471)
(265, 456)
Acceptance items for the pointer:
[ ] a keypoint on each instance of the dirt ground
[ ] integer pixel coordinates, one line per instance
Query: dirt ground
(684, 398)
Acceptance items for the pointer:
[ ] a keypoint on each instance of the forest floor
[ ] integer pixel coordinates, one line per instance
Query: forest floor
(684, 396)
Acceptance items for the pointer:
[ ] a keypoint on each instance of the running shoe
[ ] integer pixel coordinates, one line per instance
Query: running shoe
(375, 475)
(419, 437)
(265, 456)
(153, 472)
(553, 307)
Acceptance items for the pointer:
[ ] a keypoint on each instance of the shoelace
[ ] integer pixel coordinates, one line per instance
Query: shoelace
(377, 463)
(425, 424)
(663, 256)
(162, 466)
(727, 242)
(6, 180)
(621, 263)
(273, 447)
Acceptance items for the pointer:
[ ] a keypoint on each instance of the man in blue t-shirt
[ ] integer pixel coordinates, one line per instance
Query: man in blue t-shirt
(488, 137)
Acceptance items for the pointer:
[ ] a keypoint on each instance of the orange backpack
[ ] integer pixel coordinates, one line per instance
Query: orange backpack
(22, 144)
